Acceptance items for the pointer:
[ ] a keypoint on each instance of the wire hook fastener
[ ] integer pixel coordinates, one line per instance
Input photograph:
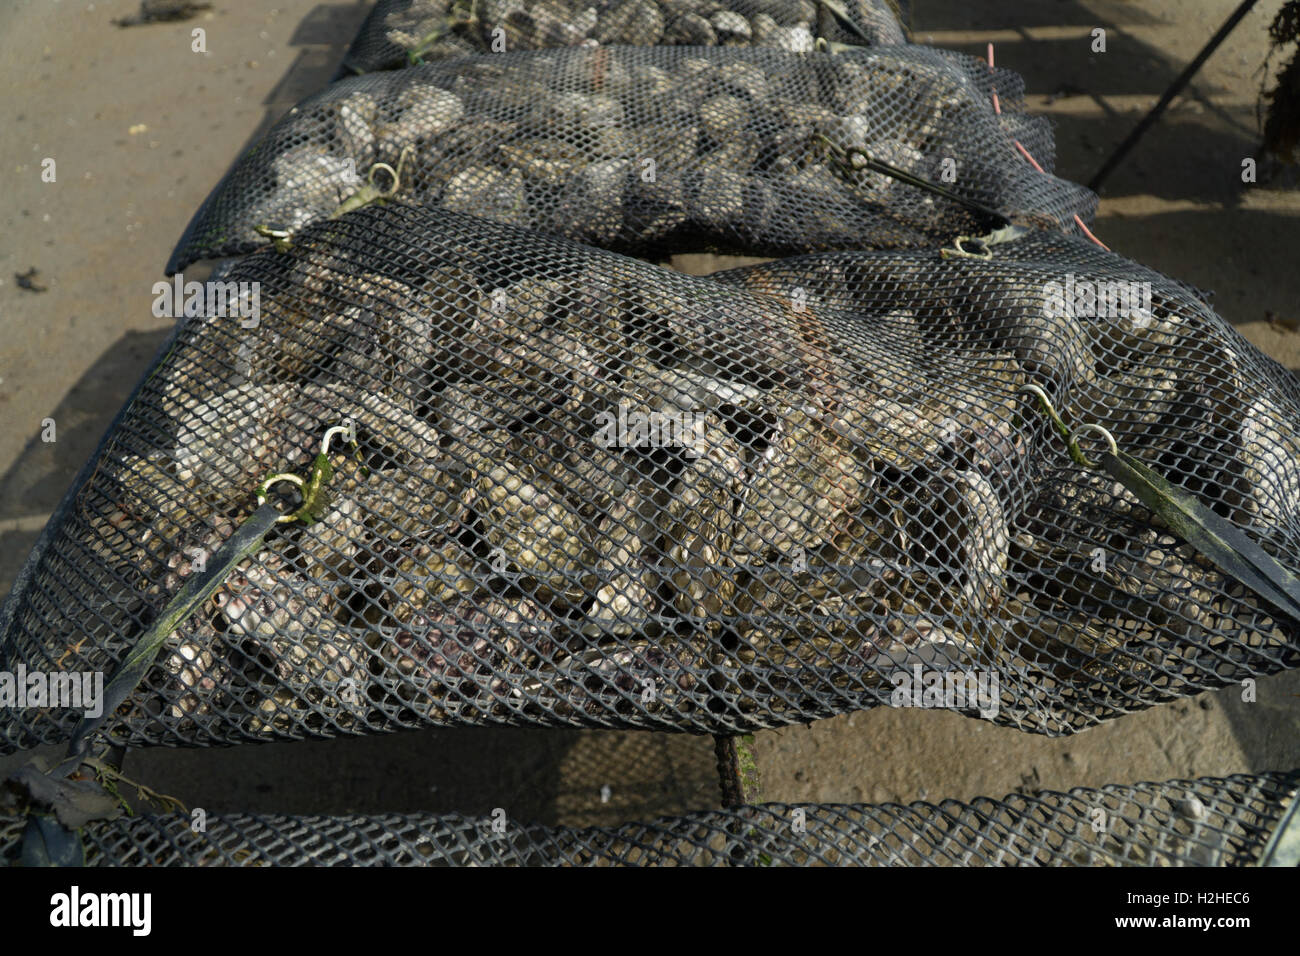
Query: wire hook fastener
(1048, 408)
(1077, 454)
(283, 238)
(855, 159)
(369, 191)
(850, 159)
(394, 174)
(311, 488)
(348, 430)
(979, 248)
(283, 477)
(1072, 437)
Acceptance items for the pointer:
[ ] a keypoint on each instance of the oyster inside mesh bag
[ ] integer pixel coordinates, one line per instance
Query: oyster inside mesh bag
(400, 32)
(646, 149)
(588, 490)
(1098, 586)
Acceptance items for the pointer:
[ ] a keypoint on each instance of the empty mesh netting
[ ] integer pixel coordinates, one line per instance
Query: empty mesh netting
(666, 149)
(587, 490)
(1204, 822)
(397, 33)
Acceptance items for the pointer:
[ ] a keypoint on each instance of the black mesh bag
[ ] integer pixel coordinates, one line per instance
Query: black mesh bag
(1204, 822)
(587, 490)
(398, 33)
(660, 150)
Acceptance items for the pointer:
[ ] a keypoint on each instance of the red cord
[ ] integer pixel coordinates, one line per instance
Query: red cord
(997, 108)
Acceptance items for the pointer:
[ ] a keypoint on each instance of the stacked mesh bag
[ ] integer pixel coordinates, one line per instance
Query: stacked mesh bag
(577, 489)
(1206, 822)
(649, 150)
(398, 33)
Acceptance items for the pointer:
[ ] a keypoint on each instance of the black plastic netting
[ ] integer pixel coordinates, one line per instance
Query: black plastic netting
(663, 149)
(1204, 822)
(592, 491)
(852, 280)
(397, 33)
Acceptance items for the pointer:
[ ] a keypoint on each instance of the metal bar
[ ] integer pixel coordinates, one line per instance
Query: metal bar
(1283, 847)
(737, 770)
(1175, 88)
(197, 589)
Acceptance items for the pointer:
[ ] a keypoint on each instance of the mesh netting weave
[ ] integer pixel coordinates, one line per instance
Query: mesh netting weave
(665, 149)
(593, 491)
(1203, 822)
(399, 32)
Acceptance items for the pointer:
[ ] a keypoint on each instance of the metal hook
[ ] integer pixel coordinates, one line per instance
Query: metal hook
(396, 174)
(312, 487)
(276, 479)
(370, 178)
(348, 430)
(1077, 454)
(1071, 437)
(844, 159)
(281, 237)
(957, 249)
(1048, 408)
(369, 192)
(407, 151)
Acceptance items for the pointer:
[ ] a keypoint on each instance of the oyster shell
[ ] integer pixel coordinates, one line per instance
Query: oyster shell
(489, 192)
(690, 29)
(1270, 455)
(698, 526)
(419, 110)
(630, 22)
(805, 487)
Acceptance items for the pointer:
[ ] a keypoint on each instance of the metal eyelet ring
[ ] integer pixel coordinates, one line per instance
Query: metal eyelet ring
(1075, 450)
(370, 179)
(265, 486)
(394, 174)
(958, 248)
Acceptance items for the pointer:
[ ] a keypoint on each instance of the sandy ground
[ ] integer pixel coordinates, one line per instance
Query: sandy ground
(141, 127)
